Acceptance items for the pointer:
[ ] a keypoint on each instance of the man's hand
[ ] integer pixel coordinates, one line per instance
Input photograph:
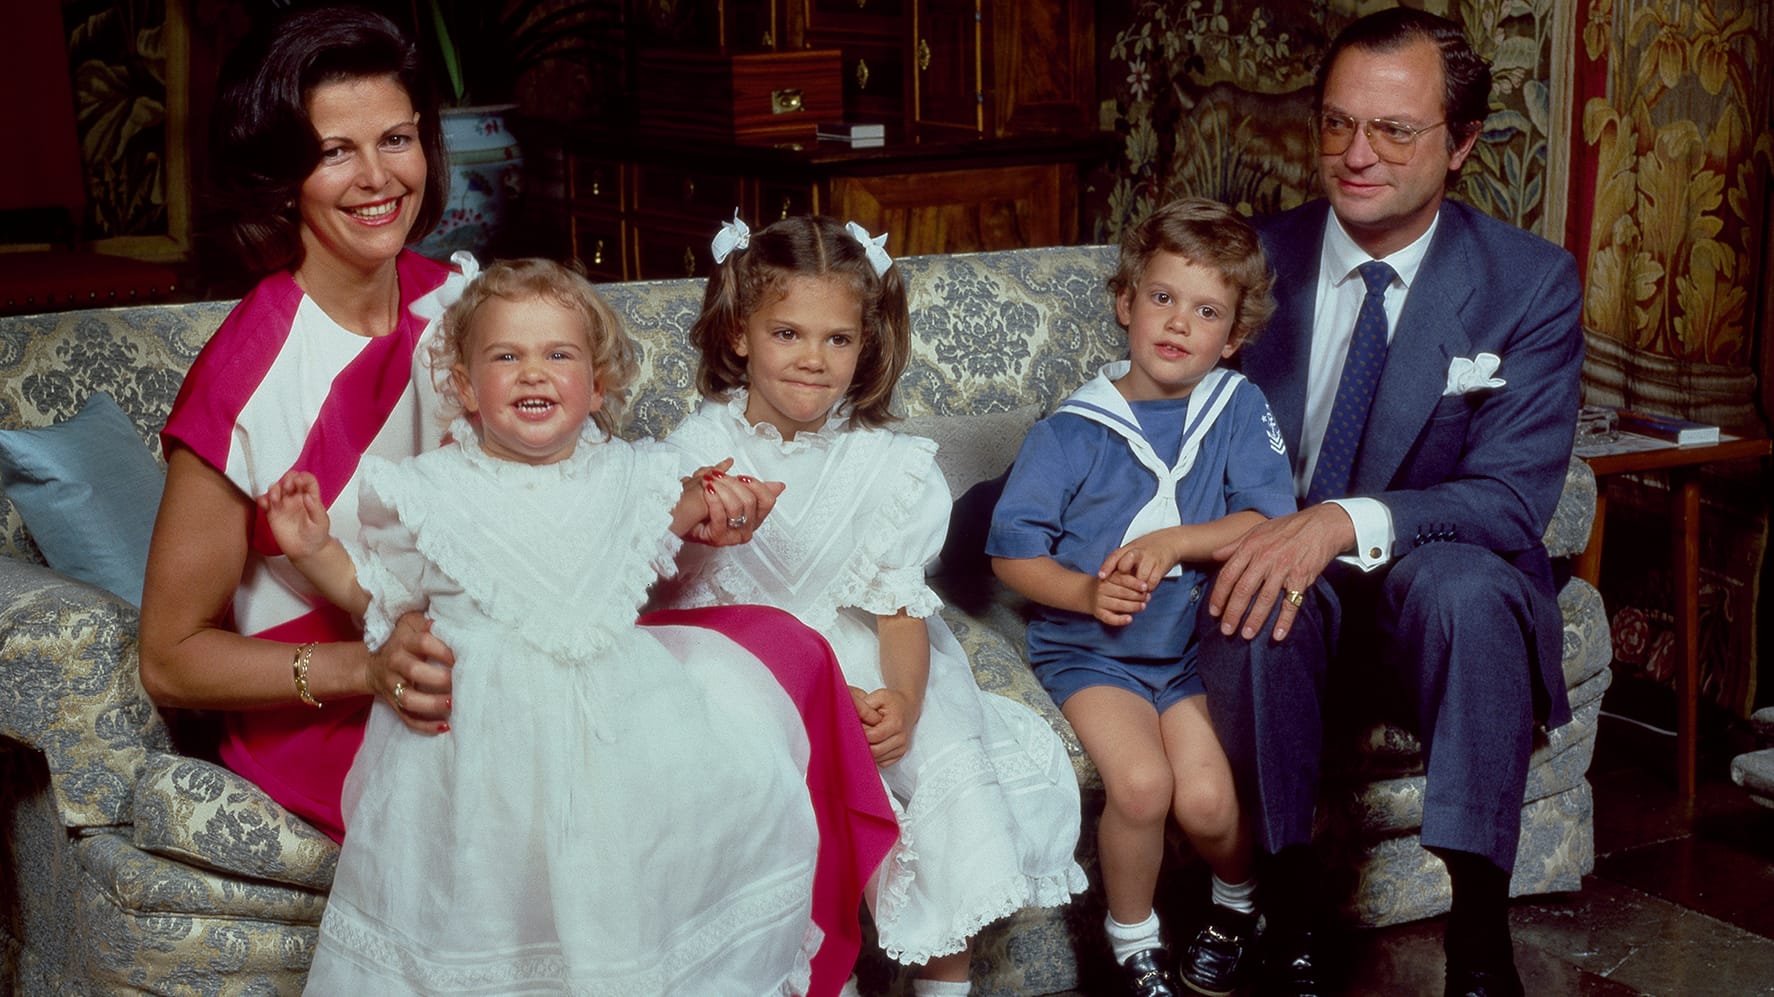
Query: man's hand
(1276, 557)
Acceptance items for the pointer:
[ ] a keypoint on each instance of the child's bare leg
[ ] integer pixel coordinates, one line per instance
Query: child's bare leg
(1206, 808)
(1205, 802)
(1120, 731)
(951, 968)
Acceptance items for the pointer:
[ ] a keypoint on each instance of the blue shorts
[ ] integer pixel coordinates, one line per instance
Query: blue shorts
(1164, 682)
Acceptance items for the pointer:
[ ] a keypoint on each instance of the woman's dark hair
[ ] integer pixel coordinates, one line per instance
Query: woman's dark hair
(263, 144)
(805, 246)
(1466, 78)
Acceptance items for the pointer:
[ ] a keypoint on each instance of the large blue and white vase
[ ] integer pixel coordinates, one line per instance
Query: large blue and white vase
(486, 180)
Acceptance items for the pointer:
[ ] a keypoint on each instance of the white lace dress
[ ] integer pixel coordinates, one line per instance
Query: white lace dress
(595, 822)
(986, 798)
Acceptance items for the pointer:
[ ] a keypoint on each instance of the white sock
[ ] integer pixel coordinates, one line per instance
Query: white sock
(1126, 939)
(941, 988)
(1237, 896)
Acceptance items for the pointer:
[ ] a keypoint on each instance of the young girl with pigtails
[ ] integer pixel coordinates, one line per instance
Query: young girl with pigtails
(803, 334)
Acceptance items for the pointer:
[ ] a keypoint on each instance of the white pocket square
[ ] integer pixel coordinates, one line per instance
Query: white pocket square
(1473, 375)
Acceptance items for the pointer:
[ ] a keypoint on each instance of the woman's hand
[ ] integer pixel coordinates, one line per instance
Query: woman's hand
(737, 505)
(417, 664)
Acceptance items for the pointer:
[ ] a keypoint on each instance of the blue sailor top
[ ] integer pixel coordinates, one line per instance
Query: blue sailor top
(1101, 471)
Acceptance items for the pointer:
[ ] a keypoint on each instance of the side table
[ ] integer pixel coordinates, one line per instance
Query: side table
(1683, 465)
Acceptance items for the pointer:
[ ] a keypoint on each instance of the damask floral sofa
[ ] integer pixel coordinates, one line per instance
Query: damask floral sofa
(132, 868)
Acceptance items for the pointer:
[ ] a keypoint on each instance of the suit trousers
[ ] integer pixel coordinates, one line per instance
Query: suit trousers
(1441, 638)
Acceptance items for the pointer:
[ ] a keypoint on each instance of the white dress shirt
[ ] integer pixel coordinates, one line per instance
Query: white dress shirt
(1340, 293)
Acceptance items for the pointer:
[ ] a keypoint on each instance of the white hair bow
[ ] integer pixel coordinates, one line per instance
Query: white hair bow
(873, 246)
(733, 235)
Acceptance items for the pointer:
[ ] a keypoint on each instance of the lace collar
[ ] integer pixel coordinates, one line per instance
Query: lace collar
(836, 422)
(467, 437)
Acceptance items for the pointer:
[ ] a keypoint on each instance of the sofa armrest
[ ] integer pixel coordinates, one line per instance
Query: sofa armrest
(1568, 533)
(71, 690)
(202, 814)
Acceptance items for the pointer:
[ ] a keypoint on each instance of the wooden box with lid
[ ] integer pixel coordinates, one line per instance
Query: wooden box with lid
(739, 97)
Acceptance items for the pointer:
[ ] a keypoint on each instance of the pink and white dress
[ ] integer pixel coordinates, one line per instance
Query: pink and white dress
(280, 387)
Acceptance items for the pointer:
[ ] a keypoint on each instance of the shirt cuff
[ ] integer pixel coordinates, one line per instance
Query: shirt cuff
(1373, 532)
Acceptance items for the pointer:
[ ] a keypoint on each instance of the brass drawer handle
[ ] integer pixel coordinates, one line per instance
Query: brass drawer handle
(862, 75)
(860, 4)
(689, 262)
(689, 189)
(786, 102)
(923, 54)
(787, 203)
(597, 253)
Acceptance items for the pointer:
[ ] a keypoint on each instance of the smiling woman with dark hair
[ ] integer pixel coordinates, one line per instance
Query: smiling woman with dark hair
(325, 154)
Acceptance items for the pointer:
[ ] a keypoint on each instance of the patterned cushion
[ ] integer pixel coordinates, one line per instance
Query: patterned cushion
(73, 691)
(196, 812)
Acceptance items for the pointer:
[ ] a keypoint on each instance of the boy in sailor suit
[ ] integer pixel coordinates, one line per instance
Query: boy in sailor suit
(1107, 522)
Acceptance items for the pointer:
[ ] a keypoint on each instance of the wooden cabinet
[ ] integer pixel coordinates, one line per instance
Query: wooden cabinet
(640, 208)
(928, 69)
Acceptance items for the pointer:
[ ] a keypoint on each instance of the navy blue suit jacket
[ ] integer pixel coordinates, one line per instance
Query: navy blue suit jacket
(1485, 467)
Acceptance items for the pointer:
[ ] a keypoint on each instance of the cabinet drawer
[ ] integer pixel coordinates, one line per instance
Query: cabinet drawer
(882, 18)
(595, 182)
(597, 245)
(875, 82)
(666, 252)
(686, 194)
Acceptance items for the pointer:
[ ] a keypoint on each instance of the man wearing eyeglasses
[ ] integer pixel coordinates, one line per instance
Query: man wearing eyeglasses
(1423, 365)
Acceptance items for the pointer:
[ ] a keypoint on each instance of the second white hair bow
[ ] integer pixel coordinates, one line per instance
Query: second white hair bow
(1473, 375)
(733, 235)
(873, 246)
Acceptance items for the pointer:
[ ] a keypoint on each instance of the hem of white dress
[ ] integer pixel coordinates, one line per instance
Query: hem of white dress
(1016, 893)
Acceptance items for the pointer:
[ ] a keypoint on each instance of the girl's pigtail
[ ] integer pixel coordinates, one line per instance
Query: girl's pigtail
(720, 369)
(890, 350)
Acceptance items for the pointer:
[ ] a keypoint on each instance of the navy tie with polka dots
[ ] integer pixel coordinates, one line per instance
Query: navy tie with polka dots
(1355, 390)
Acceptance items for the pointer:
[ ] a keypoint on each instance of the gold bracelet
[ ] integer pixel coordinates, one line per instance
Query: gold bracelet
(299, 667)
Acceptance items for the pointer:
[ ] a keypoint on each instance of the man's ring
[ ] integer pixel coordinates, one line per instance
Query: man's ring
(736, 522)
(1295, 597)
(400, 689)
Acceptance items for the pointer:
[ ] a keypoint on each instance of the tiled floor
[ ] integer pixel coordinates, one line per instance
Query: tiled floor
(1681, 903)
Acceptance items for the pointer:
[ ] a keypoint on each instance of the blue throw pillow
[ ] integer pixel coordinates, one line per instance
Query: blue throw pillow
(88, 490)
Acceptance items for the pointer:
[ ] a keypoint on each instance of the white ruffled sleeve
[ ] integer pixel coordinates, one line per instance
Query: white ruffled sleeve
(906, 534)
(389, 565)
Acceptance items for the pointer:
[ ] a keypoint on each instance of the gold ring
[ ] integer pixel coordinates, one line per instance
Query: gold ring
(1295, 597)
(736, 522)
(400, 689)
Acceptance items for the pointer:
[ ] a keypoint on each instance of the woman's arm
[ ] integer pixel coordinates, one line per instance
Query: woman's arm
(189, 658)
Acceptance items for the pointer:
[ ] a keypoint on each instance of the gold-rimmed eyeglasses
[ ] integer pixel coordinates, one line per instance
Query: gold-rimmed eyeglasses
(1393, 141)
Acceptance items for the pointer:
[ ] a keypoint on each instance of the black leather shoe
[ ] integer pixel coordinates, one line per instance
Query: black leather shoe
(1146, 975)
(1213, 964)
(1292, 965)
(1493, 981)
